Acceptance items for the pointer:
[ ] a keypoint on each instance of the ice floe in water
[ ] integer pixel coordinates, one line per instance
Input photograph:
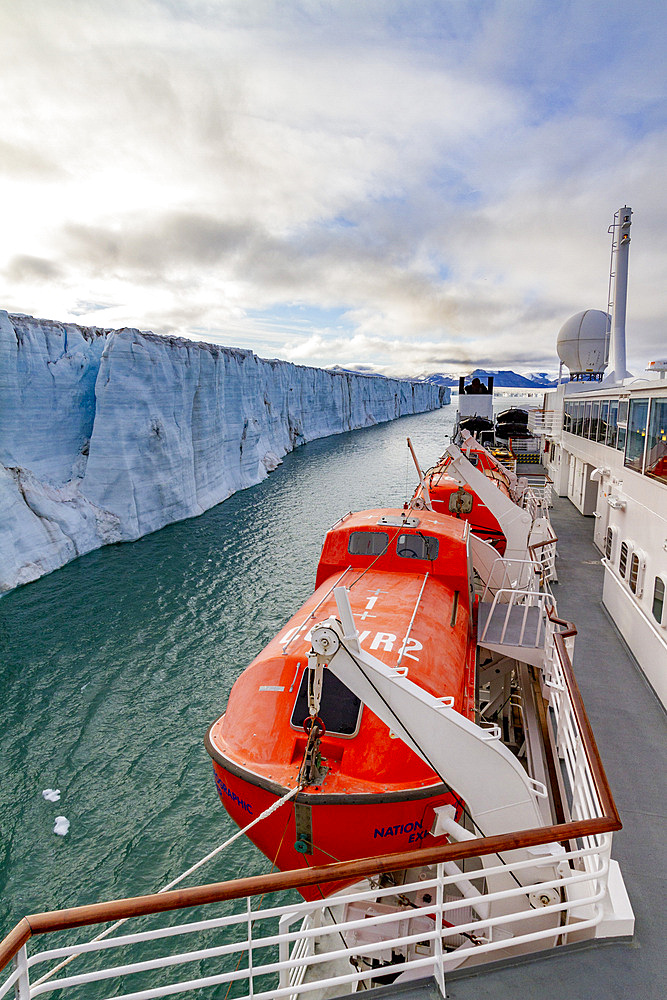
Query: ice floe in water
(51, 794)
(61, 826)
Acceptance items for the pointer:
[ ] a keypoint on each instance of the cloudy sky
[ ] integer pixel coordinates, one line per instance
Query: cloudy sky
(411, 185)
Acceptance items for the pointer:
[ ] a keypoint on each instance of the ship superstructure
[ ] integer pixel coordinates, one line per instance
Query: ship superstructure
(605, 448)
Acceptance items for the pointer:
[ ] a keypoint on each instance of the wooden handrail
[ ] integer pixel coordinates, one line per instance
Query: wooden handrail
(602, 788)
(569, 627)
(120, 909)
(216, 892)
(540, 545)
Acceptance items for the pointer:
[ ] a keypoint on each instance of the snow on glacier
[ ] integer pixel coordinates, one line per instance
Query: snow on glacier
(108, 435)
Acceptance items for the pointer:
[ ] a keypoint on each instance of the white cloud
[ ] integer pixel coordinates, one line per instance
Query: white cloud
(441, 174)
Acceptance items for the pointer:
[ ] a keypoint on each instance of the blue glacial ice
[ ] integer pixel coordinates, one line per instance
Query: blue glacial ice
(108, 435)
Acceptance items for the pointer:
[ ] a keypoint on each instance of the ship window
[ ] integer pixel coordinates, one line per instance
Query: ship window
(586, 425)
(567, 417)
(417, 547)
(339, 708)
(578, 417)
(612, 426)
(658, 599)
(623, 411)
(623, 560)
(620, 440)
(368, 543)
(609, 543)
(634, 572)
(603, 425)
(636, 439)
(656, 445)
(595, 419)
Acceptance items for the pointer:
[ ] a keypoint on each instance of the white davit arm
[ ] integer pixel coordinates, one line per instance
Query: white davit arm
(514, 521)
(498, 793)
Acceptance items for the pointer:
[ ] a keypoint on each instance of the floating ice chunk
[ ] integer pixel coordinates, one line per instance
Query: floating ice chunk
(62, 826)
(51, 794)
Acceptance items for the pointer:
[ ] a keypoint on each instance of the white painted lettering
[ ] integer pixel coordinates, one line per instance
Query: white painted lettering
(385, 639)
(409, 644)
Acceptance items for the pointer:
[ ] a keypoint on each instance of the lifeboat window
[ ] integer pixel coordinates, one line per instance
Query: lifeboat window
(623, 560)
(368, 543)
(417, 547)
(658, 599)
(634, 572)
(339, 708)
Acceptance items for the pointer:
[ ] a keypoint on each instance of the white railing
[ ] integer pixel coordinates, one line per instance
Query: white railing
(266, 958)
(510, 615)
(522, 575)
(525, 446)
(543, 421)
(538, 498)
(509, 576)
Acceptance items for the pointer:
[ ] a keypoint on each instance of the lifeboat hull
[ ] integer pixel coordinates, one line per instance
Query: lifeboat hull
(363, 793)
(342, 827)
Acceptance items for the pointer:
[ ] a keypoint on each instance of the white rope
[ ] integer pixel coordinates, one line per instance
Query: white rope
(170, 885)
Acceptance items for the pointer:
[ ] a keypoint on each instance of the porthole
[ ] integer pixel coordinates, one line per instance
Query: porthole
(609, 544)
(658, 605)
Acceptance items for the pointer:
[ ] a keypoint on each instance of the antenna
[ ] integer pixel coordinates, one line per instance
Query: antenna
(621, 251)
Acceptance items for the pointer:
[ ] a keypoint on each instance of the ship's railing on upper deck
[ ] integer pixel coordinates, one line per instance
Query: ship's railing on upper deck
(509, 578)
(522, 576)
(254, 946)
(543, 555)
(521, 447)
(543, 422)
(538, 497)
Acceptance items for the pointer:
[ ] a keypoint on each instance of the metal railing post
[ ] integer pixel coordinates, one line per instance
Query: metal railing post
(22, 985)
(439, 964)
(250, 968)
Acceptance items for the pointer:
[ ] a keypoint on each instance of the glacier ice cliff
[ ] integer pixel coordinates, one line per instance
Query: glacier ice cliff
(106, 435)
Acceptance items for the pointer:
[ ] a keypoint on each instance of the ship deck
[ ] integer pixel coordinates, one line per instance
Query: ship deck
(629, 725)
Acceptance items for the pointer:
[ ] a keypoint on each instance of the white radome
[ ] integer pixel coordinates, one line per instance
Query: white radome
(582, 341)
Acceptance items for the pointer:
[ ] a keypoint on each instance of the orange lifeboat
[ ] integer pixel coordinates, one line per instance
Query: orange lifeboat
(448, 497)
(406, 573)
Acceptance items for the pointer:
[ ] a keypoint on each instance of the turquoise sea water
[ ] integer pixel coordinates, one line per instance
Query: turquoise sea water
(114, 666)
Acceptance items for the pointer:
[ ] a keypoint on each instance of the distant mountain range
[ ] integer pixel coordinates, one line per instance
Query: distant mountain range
(501, 379)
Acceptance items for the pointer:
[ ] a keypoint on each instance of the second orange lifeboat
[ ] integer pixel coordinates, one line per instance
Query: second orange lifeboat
(448, 497)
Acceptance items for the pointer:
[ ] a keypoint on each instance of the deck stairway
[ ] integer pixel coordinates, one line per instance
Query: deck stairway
(516, 624)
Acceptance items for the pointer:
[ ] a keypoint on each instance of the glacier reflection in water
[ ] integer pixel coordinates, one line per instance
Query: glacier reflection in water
(114, 666)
